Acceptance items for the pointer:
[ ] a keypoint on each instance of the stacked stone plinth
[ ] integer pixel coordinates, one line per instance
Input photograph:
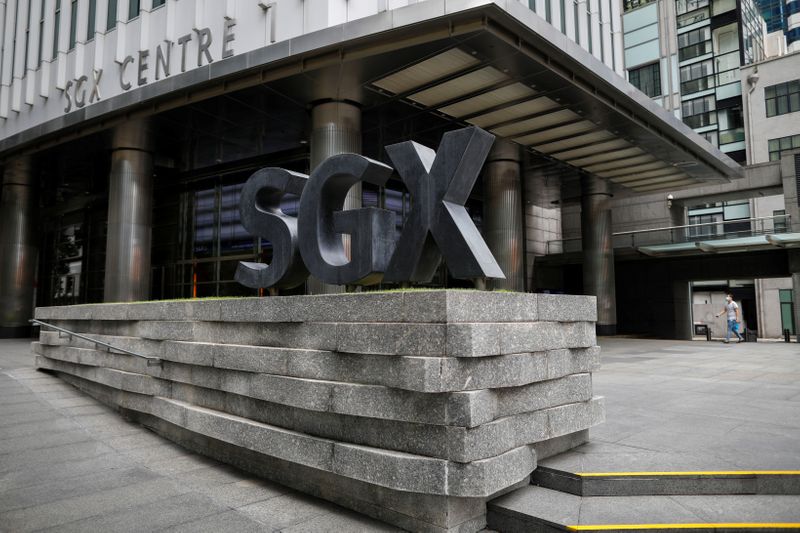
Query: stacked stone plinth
(412, 407)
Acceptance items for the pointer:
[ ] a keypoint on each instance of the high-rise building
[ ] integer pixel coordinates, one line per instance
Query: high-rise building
(783, 18)
(686, 54)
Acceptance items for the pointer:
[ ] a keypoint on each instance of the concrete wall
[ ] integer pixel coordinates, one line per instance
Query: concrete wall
(414, 408)
(706, 304)
(769, 307)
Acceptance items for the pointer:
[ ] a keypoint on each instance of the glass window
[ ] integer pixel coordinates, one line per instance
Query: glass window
(699, 112)
(133, 9)
(111, 17)
(73, 24)
(633, 4)
(56, 27)
(779, 222)
(158, 3)
(91, 25)
(694, 43)
(782, 98)
(647, 79)
(41, 34)
(686, 6)
(697, 77)
(783, 144)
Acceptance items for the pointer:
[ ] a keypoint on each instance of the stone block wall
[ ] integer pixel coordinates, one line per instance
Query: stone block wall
(412, 407)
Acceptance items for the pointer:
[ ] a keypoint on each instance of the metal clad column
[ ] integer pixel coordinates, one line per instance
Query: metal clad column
(794, 268)
(682, 302)
(502, 213)
(130, 214)
(18, 248)
(598, 251)
(335, 129)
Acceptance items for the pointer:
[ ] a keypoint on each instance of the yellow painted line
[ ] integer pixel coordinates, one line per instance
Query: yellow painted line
(616, 527)
(697, 473)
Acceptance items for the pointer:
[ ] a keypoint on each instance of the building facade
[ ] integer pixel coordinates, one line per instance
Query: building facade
(129, 129)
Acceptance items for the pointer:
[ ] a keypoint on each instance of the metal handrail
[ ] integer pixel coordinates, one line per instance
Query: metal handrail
(151, 361)
(786, 217)
(650, 230)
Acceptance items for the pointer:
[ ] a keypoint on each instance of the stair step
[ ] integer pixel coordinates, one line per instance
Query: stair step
(537, 509)
(732, 482)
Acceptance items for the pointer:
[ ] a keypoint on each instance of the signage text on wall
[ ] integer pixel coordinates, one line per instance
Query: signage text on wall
(166, 59)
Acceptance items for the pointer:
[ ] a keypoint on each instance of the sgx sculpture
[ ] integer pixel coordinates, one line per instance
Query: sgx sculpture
(438, 224)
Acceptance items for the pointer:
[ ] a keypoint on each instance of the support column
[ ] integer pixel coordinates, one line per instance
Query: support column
(130, 214)
(598, 251)
(335, 129)
(18, 248)
(502, 214)
(682, 305)
(794, 268)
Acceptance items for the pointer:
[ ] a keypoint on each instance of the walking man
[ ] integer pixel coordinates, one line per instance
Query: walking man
(732, 310)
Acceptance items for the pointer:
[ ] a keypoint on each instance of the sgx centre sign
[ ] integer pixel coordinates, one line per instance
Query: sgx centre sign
(438, 224)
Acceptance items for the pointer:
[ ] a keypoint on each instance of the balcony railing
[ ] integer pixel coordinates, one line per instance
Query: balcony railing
(707, 231)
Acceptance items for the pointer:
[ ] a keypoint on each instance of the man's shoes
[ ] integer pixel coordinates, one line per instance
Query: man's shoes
(726, 341)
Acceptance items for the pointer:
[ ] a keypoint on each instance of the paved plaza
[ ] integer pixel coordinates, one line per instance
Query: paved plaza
(68, 463)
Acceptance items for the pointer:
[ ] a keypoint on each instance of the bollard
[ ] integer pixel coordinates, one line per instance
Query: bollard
(708, 333)
(786, 337)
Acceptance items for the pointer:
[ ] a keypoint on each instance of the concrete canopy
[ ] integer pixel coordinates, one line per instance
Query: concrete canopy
(495, 64)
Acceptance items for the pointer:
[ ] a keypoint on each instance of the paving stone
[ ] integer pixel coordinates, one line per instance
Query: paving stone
(285, 510)
(42, 440)
(103, 502)
(21, 498)
(151, 516)
(226, 521)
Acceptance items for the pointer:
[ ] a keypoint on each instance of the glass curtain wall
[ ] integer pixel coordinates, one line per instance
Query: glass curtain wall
(198, 239)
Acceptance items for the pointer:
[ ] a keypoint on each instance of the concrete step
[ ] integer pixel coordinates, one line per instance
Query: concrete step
(537, 509)
(724, 482)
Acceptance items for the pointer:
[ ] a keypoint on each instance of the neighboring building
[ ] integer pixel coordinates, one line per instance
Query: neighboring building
(783, 20)
(700, 54)
(686, 55)
(772, 119)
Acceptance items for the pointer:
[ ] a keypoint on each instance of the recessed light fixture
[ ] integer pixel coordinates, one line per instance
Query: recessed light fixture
(685, 164)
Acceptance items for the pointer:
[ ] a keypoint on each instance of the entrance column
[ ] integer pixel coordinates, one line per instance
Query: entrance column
(18, 248)
(682, 305)
(130, 214)
(598, 251)
(502, 213)
(335, 129)
(794, 268)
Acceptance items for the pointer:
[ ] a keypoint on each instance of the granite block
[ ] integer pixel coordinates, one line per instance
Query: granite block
(398, 470)
(391, 338)
(567, 308)
(303, 393)
(165, 330)
(483, 306)
(411, 511)
(488, 476)
(575, 417)
(424, 374)
(262, 438)
(412, 406)
(250, 358)
(467, 408)
(195, 353)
